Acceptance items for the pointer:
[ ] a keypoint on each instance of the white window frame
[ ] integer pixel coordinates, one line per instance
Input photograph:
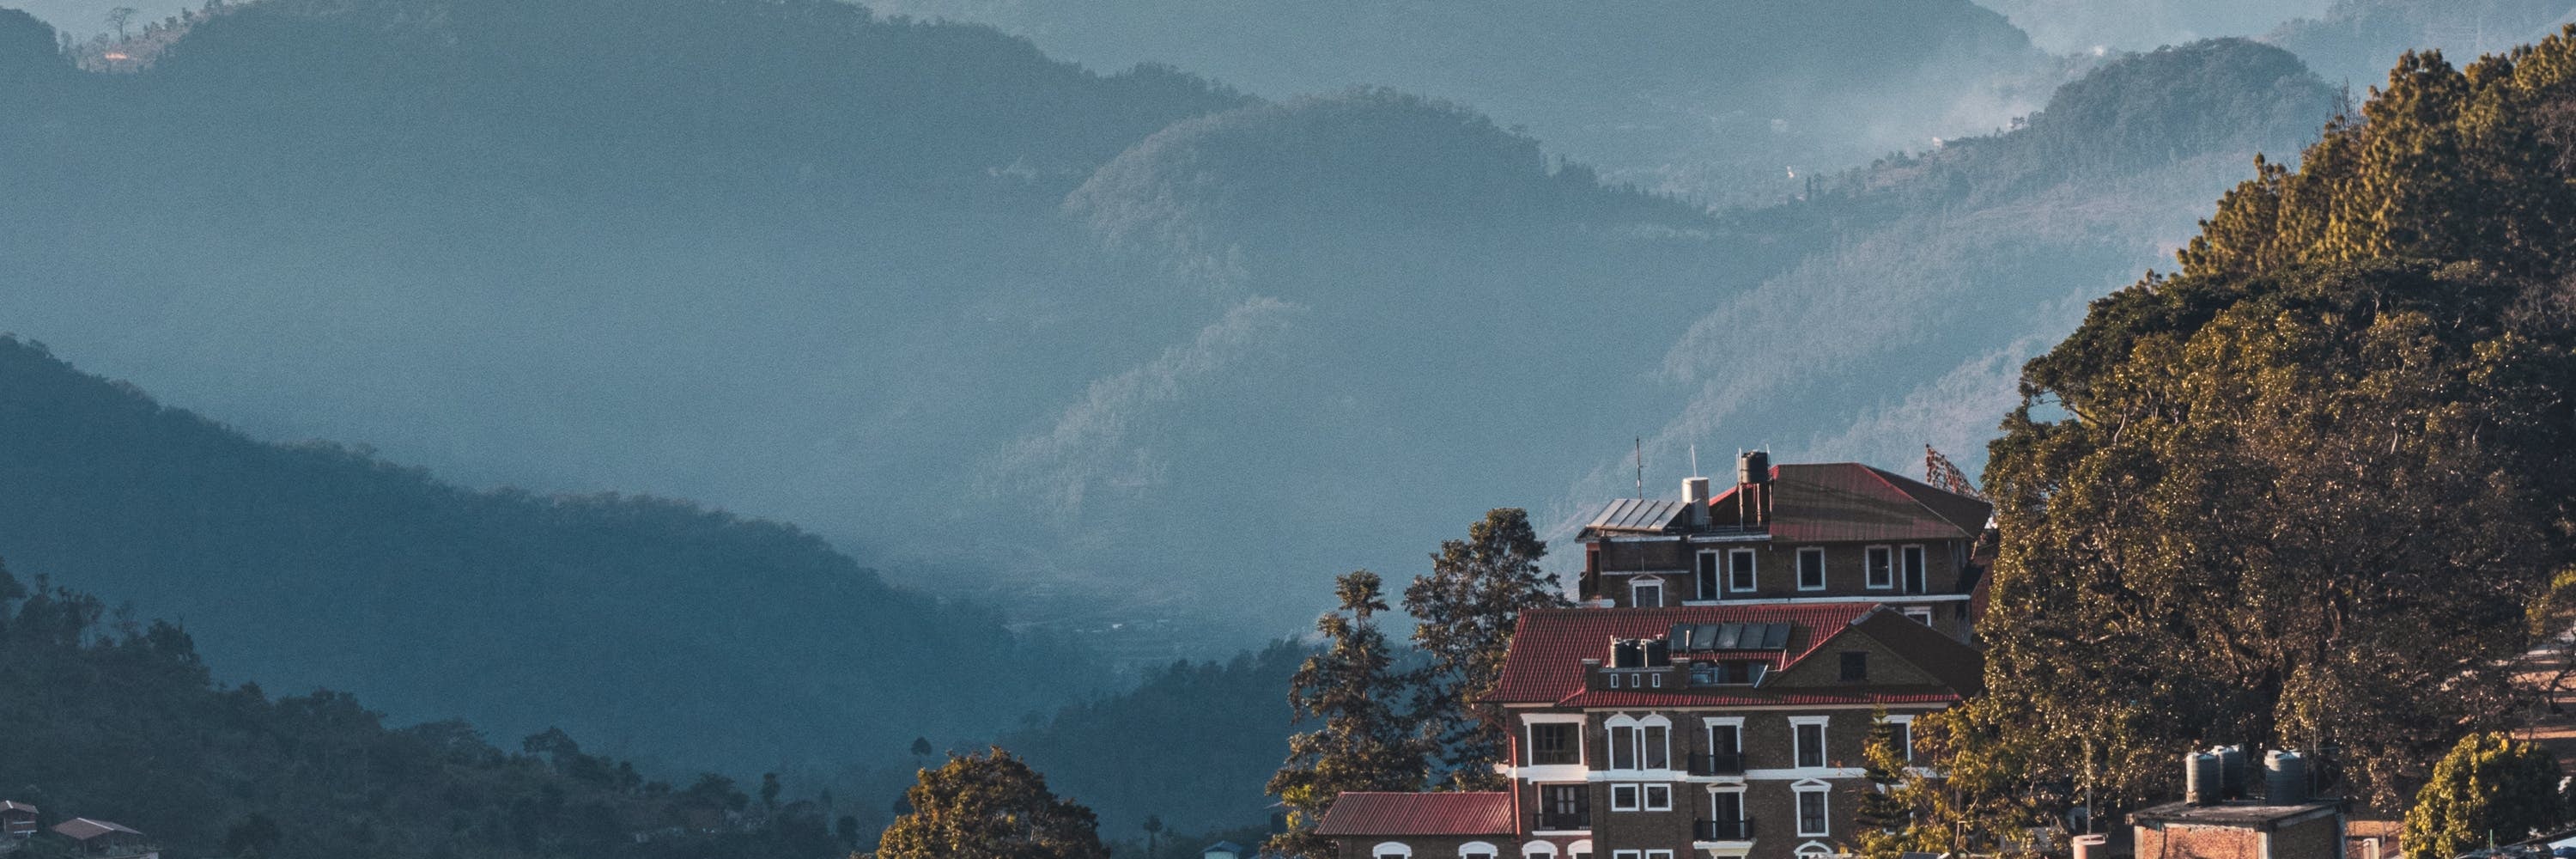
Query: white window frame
(1637, 588)
(1824, 573)
(1642, 746)
(1646, 796)
(1627, 854)
(1742, 811)
(1529, 736)
(1580, 849)
(1823, 793)
(1537, 849)
(1636, 795)
(1905, 732)
(1873, 576)
(1814, 848)
(1918, 613)
(1659, 854)
(1473, 849)
(1396, 849)
(1824, 741)
(1611, 729)
(1716, 561)
(1752, 571)
(1920, 553)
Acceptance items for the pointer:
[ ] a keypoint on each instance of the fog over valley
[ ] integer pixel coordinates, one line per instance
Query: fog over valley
(671, 366)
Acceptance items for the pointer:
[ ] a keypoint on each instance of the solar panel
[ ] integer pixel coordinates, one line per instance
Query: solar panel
(1728, 636)
(1705, 637)
(1775, 636)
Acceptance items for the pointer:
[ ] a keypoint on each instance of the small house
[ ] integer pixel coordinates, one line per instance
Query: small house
(17, 821)
(101, 838)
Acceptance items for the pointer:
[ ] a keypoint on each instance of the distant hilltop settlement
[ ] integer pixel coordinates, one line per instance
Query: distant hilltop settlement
(22, 831)
(1731, 654)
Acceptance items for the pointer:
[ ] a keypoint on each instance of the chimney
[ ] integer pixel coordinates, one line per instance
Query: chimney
(1695, 496)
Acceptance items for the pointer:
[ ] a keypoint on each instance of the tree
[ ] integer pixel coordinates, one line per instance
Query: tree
(2490, 789)
(117, 17)
(989, 806)
(1362, 744)
(769, 790)
(1467, 607)
(920, 748)
(1880, 814)
(1153, 827)
(2274, 498)
(256, 835)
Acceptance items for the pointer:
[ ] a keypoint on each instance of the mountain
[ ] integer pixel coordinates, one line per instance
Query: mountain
(2356, 41)
(1723, 101)
(644, 624)
(2077, 26)
(1952, 267)
(119, 720)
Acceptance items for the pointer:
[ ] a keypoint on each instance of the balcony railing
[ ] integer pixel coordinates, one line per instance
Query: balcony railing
(1558, 821)
(1717, 764)
(1726, 830)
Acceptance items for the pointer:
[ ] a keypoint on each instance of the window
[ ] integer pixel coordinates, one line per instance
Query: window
(1538, 850)
(1725, 747)
(1915, 582)
(1726, 809)
(1640, 743)
(1659, 854)
(1920, 613)
(1730, 673)
(1708, 575)
(1477, 850)
(1623, 746)
(1623, 797)
(1579, 850)
(1627, 854)
(1659, 797)
(1880, 562)
(1658, 746)
(1565, 807)
(1646, 593)
(1391, 850)
(1811, 740)
(1739, 571)
(1904, 729)
(1855, 665)
(1813, 816)
(1811, 568)
(1556, 743)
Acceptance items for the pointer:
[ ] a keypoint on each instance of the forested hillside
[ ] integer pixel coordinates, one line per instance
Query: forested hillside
(648, 626)
(1191, 745)
(2356, 41)
(112, 718)
(1953, 266)
(1708, 99)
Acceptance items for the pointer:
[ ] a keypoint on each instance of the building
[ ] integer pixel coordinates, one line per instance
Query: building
(1715, 693)
(2221, 817)
(104, 839)
(1731, 730)
(1224, 850)
(1794, 533)
(17, 821)
(1454, 825)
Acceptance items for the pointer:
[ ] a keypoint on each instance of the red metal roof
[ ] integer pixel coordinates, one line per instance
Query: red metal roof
(1548, 649)
(10, 805)
(1848, 501)
(1454, 813)
(1756, 698)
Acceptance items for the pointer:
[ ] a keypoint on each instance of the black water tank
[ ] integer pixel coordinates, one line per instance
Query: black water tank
(1753, 467)
(2200, 778)
(2231, 767)
(2285, 778)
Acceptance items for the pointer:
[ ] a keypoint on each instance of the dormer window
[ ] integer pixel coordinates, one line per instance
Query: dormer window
(1728, 673)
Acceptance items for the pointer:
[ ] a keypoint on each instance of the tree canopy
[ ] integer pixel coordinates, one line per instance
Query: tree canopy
(1468, 606)
(2490, 789)
(989, 805)
(1363, 744)
(2278, 497)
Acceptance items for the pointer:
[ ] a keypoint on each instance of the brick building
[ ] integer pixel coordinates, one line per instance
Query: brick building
(1715, 693)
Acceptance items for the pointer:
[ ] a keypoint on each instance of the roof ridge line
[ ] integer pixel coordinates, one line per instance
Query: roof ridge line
(1881, 476)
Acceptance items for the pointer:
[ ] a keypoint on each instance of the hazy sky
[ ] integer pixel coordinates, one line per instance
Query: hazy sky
(2062, 26)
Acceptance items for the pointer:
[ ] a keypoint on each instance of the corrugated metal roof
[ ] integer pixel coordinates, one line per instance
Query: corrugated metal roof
(84, 829)
(1636, 514)
(1447, 813)
(1851, 502)
(11, 805)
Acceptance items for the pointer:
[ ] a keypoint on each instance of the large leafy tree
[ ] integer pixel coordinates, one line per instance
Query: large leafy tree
(2311, 491)
(2490, 789)
(1363, 743)
(1467, 608)
(989, 806)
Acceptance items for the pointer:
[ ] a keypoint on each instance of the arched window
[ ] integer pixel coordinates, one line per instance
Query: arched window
(1478, 850)
(1391, 850)
(1815, 848)
(1579, 850)
(1538, 850)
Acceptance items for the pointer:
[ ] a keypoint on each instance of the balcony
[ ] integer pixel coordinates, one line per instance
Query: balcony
(1725, 830)
(1715, 764)
(1558, 821)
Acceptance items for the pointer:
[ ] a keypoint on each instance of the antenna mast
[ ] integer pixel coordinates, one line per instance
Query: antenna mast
(1641, 467)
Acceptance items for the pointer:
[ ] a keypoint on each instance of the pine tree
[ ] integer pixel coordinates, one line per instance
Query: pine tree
(2490, 789)
(1468, 606)
(1884, 815)
(1363, 743)
(989, 806)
